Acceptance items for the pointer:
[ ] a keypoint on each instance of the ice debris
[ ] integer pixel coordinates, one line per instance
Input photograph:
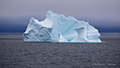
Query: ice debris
(58, 28)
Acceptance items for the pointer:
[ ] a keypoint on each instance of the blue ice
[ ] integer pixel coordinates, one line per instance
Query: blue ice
(59, 28)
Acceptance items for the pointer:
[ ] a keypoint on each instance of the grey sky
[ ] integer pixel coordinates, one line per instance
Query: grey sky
(89, 9)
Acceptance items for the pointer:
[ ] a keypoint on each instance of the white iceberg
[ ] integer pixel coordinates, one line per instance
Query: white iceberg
(58, 28)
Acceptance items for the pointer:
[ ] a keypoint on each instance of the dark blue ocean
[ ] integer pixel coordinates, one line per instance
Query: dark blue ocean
(14, 53)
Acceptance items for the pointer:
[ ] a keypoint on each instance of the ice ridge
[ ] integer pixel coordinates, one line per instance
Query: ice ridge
(59, 28)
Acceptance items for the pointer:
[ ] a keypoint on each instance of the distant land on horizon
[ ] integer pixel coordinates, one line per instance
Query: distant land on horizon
(19, 25)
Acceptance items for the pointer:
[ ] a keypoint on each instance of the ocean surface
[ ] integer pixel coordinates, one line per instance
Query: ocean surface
(14, 53)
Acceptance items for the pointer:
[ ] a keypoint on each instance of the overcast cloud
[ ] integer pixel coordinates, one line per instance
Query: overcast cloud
(79, 8)
(95, 10)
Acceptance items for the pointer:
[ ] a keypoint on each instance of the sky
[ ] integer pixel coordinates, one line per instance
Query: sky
(102, 14)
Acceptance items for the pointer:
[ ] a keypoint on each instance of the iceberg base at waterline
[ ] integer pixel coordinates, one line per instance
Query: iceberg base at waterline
(58, 28)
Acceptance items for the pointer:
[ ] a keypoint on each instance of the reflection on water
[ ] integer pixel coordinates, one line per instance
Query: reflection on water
(11, 38)
(17, 37)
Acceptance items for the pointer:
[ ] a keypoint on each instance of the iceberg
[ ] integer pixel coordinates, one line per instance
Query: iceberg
(59, 28)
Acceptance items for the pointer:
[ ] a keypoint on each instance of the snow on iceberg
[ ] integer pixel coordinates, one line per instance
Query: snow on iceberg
(58, 28)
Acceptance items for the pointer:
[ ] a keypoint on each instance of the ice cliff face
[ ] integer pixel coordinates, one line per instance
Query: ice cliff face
(58, 28)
